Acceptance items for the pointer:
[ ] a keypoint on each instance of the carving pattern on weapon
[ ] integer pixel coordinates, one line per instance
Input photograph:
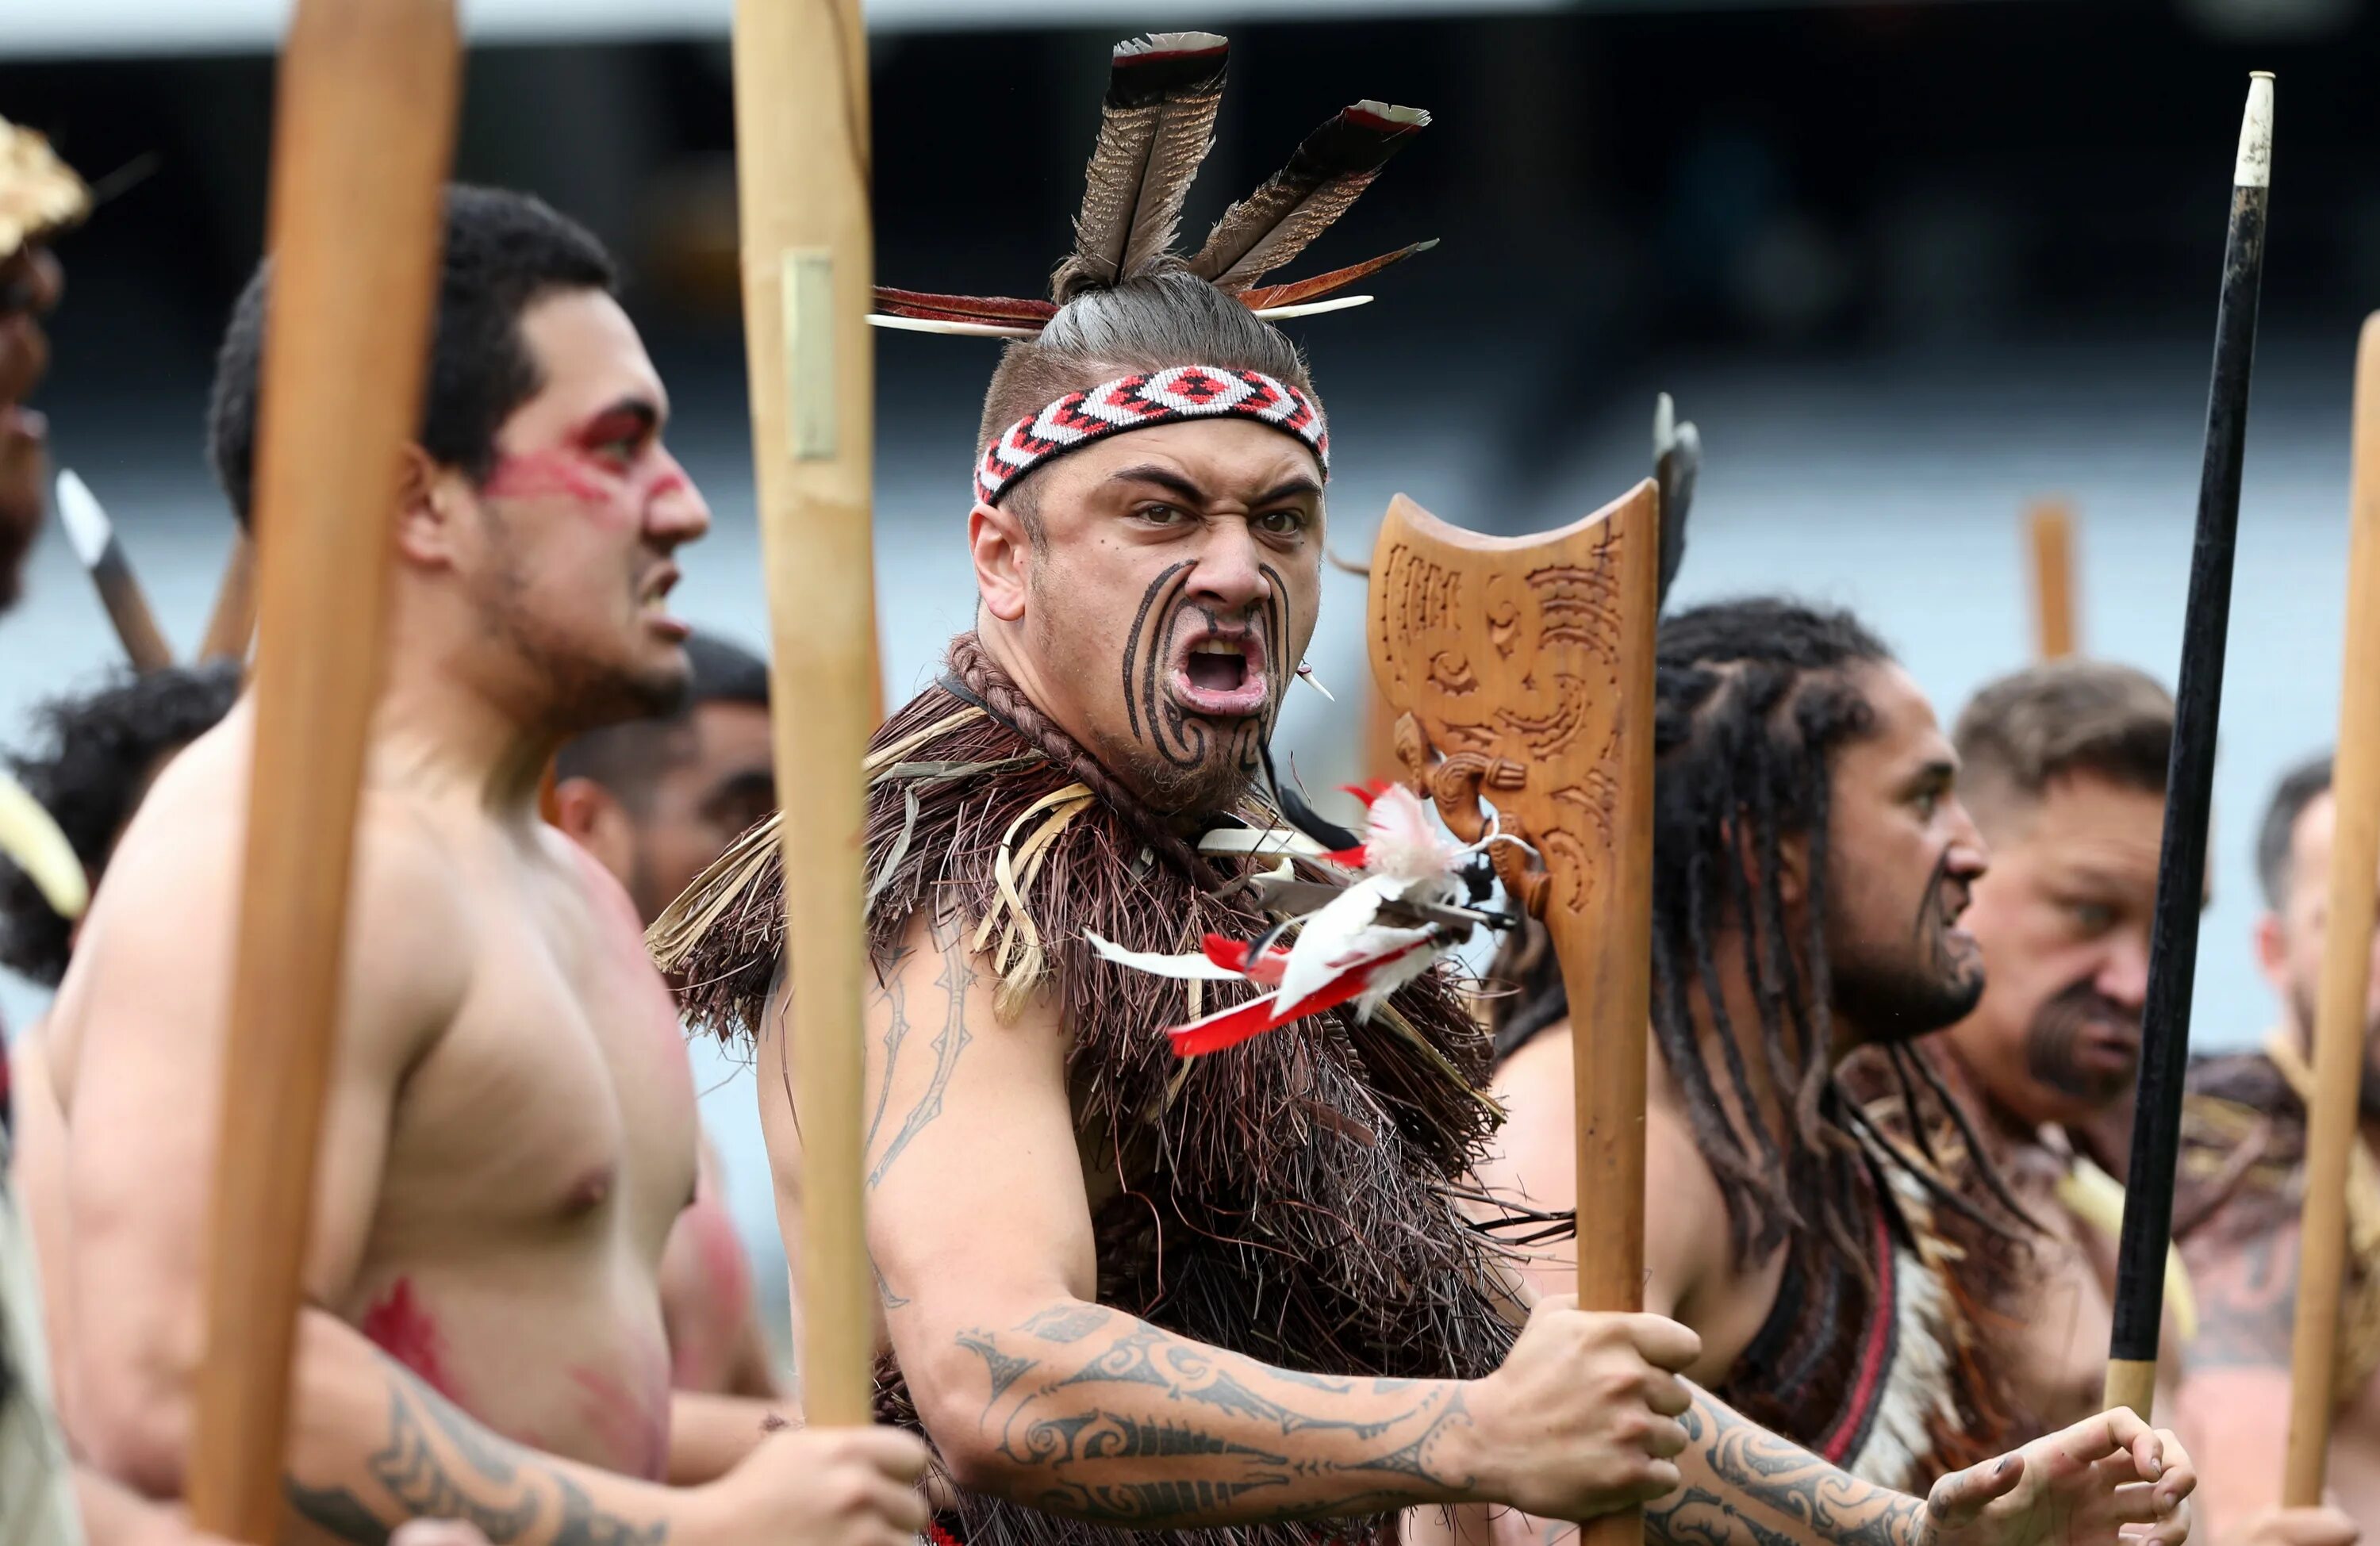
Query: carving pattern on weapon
(1506, 675)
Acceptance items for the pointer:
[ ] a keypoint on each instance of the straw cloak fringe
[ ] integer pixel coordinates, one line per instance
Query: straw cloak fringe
(1285, 1199)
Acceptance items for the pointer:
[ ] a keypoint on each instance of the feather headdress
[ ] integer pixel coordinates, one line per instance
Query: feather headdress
(1155, 127)
(38, 193)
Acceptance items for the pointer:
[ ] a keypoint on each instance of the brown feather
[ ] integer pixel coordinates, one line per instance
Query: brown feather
(1334, 164)
(1014, 310)
(1298, 292)
(1155, 127)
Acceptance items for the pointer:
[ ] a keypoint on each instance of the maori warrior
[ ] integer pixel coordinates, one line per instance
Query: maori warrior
(1234, 1295)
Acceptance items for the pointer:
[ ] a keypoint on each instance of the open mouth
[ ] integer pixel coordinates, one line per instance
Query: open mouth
(653, 603)
(1221, 674)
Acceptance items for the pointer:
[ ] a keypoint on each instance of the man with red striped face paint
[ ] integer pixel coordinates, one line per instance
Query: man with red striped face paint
(511, 1128)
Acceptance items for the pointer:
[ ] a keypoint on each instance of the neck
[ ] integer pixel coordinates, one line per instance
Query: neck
(2002, 1128)
(437, 732)
(1742, 1004)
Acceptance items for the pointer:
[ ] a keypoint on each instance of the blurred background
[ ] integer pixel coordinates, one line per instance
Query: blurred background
(1909, 266)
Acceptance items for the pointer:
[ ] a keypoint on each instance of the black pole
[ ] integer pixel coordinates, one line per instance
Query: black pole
(2190, 784)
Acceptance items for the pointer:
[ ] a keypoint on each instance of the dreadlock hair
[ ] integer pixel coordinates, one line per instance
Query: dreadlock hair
(1162, 316)
(1753, 700)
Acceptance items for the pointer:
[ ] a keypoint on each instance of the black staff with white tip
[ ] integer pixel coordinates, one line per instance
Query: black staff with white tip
(2190, 783)
(94, 537)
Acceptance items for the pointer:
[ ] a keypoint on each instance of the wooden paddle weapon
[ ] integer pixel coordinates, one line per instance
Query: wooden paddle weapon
(1522, 669)
(802, 178)
(2338, 1023)
(2050, 524)
(365, 126)
(2142, 1245)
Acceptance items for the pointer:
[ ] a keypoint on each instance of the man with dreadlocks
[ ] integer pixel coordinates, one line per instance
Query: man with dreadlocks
(1812, 862)
(1233, 1296)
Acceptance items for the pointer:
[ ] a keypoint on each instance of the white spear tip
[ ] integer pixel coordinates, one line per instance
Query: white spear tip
(86, 523)
(2255, 168)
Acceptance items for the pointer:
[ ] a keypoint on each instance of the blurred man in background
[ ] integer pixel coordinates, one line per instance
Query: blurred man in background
(2241, 1184)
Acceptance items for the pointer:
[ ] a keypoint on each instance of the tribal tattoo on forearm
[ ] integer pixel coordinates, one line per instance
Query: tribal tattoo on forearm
(1108, 1419)
(1737, 1472)
(437, 1464)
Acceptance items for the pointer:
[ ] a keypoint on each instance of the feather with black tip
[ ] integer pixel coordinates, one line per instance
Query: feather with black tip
(1298, 292)
(1334, 164)
(1155, 126)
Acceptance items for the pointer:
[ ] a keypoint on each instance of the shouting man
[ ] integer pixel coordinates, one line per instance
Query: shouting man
(1235, 1296)
(511, 1128)
(1812, 863)
(2236, 1206)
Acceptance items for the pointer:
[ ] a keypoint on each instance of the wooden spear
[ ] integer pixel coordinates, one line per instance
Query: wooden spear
(1550, 717)
(2189, 785)
(364, 130)
(2051, 525)
(233, 620)
(2338, 1022)
(802, 177)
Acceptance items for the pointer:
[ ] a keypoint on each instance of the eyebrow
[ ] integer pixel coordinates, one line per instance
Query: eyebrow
(1174, 483)
(1940, 771)
(643, 413)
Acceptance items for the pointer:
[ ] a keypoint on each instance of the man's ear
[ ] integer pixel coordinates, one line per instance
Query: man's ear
(1003, 549)
(1792, 868)
(2273, 953)
(428, 497)
(587, 813)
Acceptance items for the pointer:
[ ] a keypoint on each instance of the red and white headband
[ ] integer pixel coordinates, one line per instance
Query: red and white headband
(1143, 401)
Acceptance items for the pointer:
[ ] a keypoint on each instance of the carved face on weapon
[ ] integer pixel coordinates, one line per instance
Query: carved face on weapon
(1153, 594)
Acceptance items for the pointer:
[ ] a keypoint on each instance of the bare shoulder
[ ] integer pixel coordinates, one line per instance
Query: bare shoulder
(1686, 1252)
(1530, 1157)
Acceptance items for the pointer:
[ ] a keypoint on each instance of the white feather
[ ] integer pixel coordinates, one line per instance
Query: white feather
(1399, 841)
(959, 330)
(1311, 309)
(86, 523)
(1187, 968)
(1342, 933)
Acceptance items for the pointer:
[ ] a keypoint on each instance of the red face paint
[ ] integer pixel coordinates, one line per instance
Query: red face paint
(551, 474)
(399, 1326)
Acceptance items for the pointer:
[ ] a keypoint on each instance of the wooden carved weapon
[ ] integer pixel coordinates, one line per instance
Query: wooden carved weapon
(2346, 964)
(365, 128)
(2050, 524)
(2190, 786)
(94, 537)
(1523, 669)
(802, 178)
(233, 622)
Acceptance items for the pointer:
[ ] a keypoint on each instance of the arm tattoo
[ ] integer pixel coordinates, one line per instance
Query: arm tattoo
(957, 977)
(1752, 1472)
(2246, 1301)
(438, 1464)
(1108, 1419)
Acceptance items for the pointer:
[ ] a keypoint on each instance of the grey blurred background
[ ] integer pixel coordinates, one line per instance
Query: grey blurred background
(1909, 266)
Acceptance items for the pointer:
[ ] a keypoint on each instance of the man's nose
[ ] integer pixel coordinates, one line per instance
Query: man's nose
(1229, 571)
(677, 512)
(1969, 855)
(2124, 977)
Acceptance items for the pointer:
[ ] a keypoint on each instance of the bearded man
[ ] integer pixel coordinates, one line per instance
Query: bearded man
(1235, 1296)
(510, 1129)
(2237, 1201)
(1813, 861)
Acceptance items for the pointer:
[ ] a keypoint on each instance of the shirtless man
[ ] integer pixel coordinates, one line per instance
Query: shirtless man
(511, 1127)
(2238, 1223)
(2063, 765)
(1126, 1293)
(1806, 818)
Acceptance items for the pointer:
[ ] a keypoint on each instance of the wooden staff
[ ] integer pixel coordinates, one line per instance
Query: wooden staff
(2051, 523)
(233, 622)
(2189, 785)
(802, 177)
(2346, 963)
(1551, 718)
(361, 144)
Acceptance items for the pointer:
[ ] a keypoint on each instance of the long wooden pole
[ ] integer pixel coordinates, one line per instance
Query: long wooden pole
(1563, 729)
(233, 622)
(2141, 1248)
(364, 131)
(2050, 524)
(2338, 1022)
(802, 176)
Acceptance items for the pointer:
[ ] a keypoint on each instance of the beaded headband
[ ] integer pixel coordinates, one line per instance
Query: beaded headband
(1143, 401)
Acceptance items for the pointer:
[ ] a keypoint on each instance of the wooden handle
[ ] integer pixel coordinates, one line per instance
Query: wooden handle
(2052, 527)
(802, 176)
(361, 150)
(1533, 658)
(233, 622)
(2346, 962)
(128, 609)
